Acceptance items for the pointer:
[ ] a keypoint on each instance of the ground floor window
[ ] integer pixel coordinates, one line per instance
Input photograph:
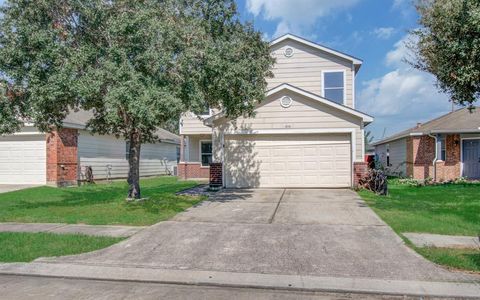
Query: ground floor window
(443, 149)
(206, 152)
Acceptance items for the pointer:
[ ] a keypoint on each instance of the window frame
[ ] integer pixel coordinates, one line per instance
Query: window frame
(201, 153)
(209, 112)
(344, 85)
(443, 148)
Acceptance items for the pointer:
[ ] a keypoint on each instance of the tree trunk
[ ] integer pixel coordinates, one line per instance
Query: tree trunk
(134, 166)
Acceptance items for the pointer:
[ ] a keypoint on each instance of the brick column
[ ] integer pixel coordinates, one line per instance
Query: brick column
(62, 157)
(216, 175)
(360, 170)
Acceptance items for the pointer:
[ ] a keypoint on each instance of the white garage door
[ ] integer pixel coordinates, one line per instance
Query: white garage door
(288, 161)
(23, 159)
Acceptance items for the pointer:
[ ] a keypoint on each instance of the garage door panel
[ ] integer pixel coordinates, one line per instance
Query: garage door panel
(289, 161)
(23, 159)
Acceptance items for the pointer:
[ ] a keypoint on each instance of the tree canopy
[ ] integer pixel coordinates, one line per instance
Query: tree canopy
(449, 46)
(136, 65)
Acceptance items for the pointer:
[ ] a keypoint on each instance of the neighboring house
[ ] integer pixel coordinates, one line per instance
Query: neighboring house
(60, 157)
(445, 148)
(306, 133)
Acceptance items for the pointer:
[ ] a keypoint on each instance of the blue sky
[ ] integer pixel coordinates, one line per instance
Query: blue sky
(373, 30)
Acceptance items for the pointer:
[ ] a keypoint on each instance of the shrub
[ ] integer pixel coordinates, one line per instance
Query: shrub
(375, 181)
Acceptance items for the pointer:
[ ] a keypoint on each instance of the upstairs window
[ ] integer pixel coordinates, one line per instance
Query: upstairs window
(334, 86)
(205, 111)
(206, 153)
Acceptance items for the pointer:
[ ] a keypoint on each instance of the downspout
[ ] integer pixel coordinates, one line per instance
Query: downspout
(435, 158)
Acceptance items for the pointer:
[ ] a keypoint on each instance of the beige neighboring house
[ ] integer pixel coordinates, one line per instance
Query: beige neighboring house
(306, 133)
(443, 149)
(59, 158)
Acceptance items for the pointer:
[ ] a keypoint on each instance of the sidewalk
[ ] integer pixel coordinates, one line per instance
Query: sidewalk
(445, 241)
(60, 228)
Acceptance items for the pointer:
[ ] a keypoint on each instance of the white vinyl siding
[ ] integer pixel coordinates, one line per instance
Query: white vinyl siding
(304, 113)
(23, 159)
(398, 157)
(304, 69)
(397, 151)
(321, 160)
(100, 151)
(191, 124)
(192, 145)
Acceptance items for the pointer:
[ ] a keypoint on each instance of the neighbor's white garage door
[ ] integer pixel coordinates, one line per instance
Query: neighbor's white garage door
(23, 159)
(288, 161)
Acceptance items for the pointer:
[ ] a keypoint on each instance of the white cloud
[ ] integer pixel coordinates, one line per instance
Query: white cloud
(384, 33)
(295, 16)
(401, 97)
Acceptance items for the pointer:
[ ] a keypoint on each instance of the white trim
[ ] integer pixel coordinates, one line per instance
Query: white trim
(353, 87)
(285, 86)
(200, 151)
(23, 133)
(363, 144)
(291, 131)
(289, 103)
(210, 111)
(344, 83)
(187, 151)
(354, 60)
(285, 52)
(461, 151)
(353, 155)
(365, 117)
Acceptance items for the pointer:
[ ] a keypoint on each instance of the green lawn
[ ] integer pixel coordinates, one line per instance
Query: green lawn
(451, 209)
(25, 247)
(464, 259)
(97, 204)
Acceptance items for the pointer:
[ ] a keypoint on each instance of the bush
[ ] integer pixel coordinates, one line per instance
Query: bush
(375, 181)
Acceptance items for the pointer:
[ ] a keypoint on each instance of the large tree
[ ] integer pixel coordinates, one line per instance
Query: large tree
(449, 46)
(136, 65)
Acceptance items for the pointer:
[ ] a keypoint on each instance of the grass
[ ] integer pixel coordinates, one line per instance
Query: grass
(450, 209)
(25, 247)
(464, 259)
(98, 204)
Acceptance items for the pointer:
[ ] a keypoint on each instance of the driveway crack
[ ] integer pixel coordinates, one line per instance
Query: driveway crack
(276, 208)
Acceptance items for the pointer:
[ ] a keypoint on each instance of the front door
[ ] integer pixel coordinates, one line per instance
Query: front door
(471, 159)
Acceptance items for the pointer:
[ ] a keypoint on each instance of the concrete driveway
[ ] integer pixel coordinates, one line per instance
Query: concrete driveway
(291, 232)
(14, 187)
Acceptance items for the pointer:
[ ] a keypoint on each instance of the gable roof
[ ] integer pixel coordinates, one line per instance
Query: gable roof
(356, 61)
(285, 86)
(459, 121)
(79, 119)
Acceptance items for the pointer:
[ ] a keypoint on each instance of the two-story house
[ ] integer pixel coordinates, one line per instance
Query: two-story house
(306, 133)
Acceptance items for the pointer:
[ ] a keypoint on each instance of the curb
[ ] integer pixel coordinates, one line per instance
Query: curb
(247, 280)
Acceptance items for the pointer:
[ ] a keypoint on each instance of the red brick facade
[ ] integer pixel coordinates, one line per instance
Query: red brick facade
(360, 170)
(188, 170)
(216, 174)
(421, 153)
(62, 157)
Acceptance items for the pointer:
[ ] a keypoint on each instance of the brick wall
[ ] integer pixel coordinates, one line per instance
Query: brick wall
(216, 174)
(450, 168)
(360, 170)
(420, 155)
(62, 157)
(188, 170)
